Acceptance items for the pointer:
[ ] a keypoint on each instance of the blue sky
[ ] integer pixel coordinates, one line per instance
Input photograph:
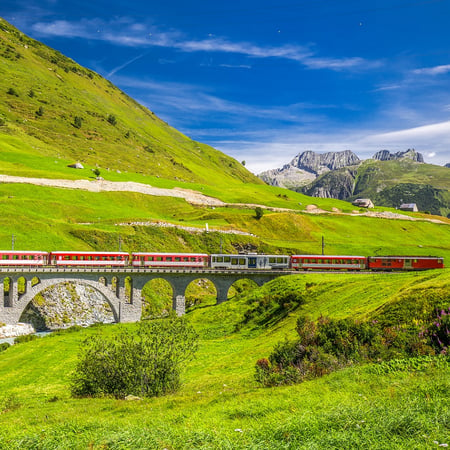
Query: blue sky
(265, 80)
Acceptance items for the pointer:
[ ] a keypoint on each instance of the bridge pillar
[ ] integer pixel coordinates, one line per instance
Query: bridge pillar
(179, 304)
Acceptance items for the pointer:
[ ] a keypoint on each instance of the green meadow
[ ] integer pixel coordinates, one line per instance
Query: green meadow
(220, 405)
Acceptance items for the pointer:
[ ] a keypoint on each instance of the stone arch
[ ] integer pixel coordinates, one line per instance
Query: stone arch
(157, 294)
(193, 294)
(26, 298)
(242, 285)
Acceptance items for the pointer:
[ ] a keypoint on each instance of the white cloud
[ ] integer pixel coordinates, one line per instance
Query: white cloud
(125, 32)
(437, 70)
(273, 151)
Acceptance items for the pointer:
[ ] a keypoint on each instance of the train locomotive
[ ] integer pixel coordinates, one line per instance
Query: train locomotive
(219, 261)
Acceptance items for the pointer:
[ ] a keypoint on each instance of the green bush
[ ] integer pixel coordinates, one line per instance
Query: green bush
(4, 346)
(25, 338)
(144, 362)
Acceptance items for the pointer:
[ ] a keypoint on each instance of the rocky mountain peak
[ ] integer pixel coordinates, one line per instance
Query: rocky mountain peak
(386, 155)
(318, 163)
(307, 166)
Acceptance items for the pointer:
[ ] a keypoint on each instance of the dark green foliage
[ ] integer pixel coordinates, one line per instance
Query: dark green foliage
(4, 346)
(96, 171)
(25, 338)
(330, 344)
(31, 93)
(259, 212)
(111, 119)
(77, 122)
(40, 111)
(144, 362)
(12, 91)
(425, 196)
(2, 121)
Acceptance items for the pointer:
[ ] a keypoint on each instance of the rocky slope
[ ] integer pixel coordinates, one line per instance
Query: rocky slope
(307, 166)
(386, 155)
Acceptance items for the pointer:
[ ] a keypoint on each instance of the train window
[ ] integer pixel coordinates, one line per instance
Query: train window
(272, 260)
(177, 258)
(159, 258)
(169, 258)
(280, 260)
(226, 259)
(234, 261)
(313, 260)
(5, 256)
(242, 261)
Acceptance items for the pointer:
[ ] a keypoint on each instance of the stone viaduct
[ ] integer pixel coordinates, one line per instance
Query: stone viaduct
(125, 303)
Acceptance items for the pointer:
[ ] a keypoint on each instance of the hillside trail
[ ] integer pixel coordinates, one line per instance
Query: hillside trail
(193, 197)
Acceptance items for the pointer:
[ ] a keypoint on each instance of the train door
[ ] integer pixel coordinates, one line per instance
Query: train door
(407, 264)
(252, 262)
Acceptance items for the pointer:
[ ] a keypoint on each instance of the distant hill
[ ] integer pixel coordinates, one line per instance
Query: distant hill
(52, 107)
(388, 179)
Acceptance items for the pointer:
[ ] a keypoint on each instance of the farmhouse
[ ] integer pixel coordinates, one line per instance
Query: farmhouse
(409, 207)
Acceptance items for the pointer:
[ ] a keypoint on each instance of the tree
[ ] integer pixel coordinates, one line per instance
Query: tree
(259, 212)
(145, 361)
(96, 171)
(243, 162)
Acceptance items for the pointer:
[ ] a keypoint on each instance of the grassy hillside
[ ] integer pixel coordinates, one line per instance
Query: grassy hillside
(51, 219)
(54, 112)
(220, 405)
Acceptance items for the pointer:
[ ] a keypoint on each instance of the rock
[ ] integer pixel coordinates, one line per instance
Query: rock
(132, 398)
(20, 329)
(386, 155)
(307, 166)
(76, 166)
(67, 304)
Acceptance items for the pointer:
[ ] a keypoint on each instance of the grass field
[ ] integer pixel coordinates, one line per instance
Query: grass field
(220, 405)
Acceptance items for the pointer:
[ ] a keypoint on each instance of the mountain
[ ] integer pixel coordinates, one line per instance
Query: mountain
(52, 109)
(389, 179)
(307, 166)
(386, 155)
(388, 183)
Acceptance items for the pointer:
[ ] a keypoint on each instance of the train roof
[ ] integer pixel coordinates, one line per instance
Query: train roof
(71, 252)
(328, 256)
(405, 256)
(168, 254)
(23, 252)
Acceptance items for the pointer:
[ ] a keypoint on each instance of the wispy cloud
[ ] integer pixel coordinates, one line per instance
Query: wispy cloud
(436, 70)
(125, 32)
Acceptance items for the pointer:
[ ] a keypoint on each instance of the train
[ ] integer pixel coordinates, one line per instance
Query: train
(222, 261)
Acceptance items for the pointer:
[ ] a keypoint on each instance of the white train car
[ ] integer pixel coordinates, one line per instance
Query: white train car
(249, 261)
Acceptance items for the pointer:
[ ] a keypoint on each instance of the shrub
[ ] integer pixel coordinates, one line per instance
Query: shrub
(25, 338)
(111, 119)
(145, 362)
(77, 122)
(259, 212)
(4, 346)
(40, 111)
(12, 91)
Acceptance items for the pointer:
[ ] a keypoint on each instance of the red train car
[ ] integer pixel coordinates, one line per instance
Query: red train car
(91, 259)
(326, 262)
(198, 260)
(23, 258)
(405, 262)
